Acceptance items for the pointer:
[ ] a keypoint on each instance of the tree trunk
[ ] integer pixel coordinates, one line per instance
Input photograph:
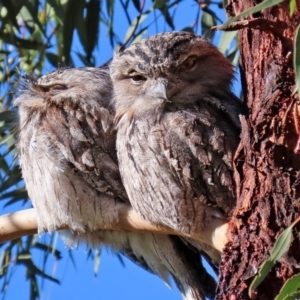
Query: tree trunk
(267, 163)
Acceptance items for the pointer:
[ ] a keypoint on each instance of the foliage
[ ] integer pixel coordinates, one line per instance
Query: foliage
(280, 248)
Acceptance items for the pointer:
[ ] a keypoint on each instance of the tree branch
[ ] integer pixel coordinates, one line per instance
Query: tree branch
(20, 223)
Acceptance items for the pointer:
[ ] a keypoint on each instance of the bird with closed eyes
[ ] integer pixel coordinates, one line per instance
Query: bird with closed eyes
(69, 163)
(178, 127)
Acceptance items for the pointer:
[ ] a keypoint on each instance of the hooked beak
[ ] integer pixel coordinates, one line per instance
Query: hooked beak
(158, 90)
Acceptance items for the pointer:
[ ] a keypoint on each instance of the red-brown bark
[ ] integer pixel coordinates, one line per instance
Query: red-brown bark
(268, 159)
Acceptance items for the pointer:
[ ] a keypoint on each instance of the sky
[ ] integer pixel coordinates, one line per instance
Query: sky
(114, 281)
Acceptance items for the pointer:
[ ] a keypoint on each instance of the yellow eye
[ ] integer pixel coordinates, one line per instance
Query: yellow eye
(188, 64)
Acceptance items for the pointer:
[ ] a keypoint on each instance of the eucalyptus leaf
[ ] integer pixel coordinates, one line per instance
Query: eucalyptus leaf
(53, 59)
(92, 26)
(280, 247)
(15, 195)
(73, 11)
(208, 20)
(140, 19)
(27, 261)
(10, 182)
(49, 249)
(12, 11)
(297, 58)
(259, 7)
(292, 7)
(290, 287)
(137, 4)
(226, 40)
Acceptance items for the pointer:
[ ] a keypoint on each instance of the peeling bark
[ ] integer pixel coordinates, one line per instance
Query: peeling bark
(267, 162)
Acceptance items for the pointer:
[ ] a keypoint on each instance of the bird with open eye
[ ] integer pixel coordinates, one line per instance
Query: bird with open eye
(178, 128)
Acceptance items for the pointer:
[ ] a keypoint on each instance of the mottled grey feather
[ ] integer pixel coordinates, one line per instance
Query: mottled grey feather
(69, 164)
(178, 128)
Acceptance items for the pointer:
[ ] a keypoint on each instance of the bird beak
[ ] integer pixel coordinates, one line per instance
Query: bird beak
(158, 90)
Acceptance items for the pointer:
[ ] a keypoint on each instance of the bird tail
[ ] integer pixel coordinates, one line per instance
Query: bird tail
(185, 265)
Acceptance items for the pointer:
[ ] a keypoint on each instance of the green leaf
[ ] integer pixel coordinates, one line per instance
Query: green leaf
(53, 59)
(297, 59)
(49, 249)
(58, 8)
(8, 116)
(139, 35)
(92, 26)
(280, 247)
(11, 181)
(137, 21)
(294, 296)
(31, 15)
(74, 10)
(11, 11)
(226, 39)
(259, 7)
(83, 59)
(16, 194)
(22, 43)
(292, 7)
(33, 268)
(137, 4)
(3, 165)
(169, 20)
(110, 6)
(290, 287)
(160, 4)
(208, 20)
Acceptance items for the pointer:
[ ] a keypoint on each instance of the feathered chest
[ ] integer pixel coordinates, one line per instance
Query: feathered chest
(181, 161)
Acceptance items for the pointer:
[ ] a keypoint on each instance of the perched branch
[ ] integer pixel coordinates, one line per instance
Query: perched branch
(15, 225)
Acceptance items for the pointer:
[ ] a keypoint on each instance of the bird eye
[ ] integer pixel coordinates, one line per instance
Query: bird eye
(138, 79)
(188, 64)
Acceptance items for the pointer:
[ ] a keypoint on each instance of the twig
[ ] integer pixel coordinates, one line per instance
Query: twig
(257, 23)
(18, 224)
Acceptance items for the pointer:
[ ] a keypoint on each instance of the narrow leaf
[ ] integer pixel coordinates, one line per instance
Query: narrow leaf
(34, 269)
(18, 194)
(160, 3)
(294, 296)
(259, 7)
(53, 59)
(292, 7)
(49, 249)
(33, 14)
(208, 20)
(137, 4)
(11, 11)
(11, 181)
(73, 11)
(291, 286)
(8, 116)
(280, 247)
(137, 21)
(225, 40)
(297, 59)
(21, 43)
(92, 26)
